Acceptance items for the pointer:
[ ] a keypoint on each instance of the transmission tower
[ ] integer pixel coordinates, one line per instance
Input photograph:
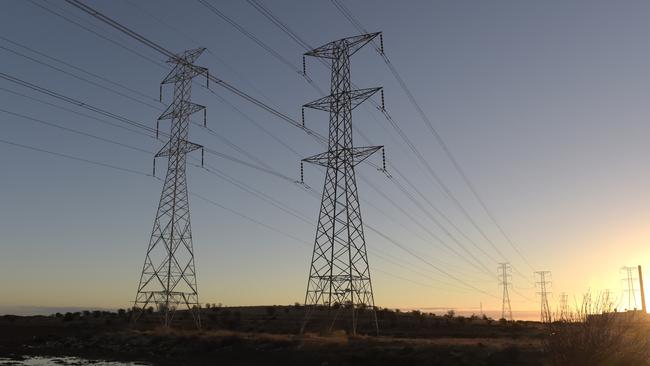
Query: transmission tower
(339, 274)
(505, 275)
(564, 305)
(168, 278)
(544, 283)
(630, 279)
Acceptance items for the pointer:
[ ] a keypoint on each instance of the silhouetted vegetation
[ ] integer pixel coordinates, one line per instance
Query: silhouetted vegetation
(593, 334)
(269, 335)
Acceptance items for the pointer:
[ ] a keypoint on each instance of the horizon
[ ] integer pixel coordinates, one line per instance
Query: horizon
(524, 315)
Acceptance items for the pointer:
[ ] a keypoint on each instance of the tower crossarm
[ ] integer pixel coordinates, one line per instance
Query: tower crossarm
(190, 72)
(184, 107)
(334, 157)
(184, 68)
(184, 149)
(353, 44)
(329, 102)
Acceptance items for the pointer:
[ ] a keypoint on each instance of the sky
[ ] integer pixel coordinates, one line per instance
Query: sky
(543, 104)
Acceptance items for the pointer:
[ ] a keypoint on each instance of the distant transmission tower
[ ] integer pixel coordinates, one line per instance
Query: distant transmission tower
(168, 277)
(505, 275)
(339, 274)
(544, 283)
(630, 279)
(564, 306)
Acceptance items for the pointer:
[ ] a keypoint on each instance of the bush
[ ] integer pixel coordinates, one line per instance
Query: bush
(594, 335)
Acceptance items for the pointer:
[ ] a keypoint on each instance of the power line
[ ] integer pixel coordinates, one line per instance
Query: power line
(298, 154)
(76, 102)
(423, 161)
(106, 165)
(293, 237)
(421, 258)
(68, 19)
(270, 200)
(477, 264)
(527, 298)
(122, 119)
(222, 83)
(212, 202)
(346, 12)
(264, 169)
(275, 229)
(40, 53)
(276, 21)
(71, 157)
(54, 125)
(265, 197)
(264, 11)
(318, 137)
(125, 120)
(193, 40)
(80, 78)
(250, 35)
(77, 112)
(258, 125)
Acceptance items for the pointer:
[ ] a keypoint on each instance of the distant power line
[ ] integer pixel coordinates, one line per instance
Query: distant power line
(255, 101)
(347, 14)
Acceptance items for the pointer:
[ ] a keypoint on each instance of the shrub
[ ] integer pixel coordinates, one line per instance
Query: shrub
(594, 335)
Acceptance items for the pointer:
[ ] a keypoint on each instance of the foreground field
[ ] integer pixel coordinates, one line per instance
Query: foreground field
(270, 336)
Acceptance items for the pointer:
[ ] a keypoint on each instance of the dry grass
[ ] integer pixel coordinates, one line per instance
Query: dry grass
(334, 337)
(594, 335)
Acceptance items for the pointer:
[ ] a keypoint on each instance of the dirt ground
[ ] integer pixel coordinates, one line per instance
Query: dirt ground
(268, 336)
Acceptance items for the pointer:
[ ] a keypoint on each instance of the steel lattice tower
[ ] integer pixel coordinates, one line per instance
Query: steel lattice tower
(543, 283)
(505, 275)
(339, 274)
(564, 306)
(168, 278)
(630, 279)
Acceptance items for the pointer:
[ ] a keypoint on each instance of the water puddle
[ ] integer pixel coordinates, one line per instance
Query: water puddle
(64, 361)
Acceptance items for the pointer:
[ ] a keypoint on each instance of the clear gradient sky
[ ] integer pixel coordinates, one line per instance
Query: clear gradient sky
(543, 103)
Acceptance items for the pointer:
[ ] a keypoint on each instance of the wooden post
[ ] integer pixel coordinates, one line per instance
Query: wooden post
(642, 290)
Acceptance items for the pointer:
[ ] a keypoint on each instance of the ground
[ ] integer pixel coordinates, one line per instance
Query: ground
(270, 336)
